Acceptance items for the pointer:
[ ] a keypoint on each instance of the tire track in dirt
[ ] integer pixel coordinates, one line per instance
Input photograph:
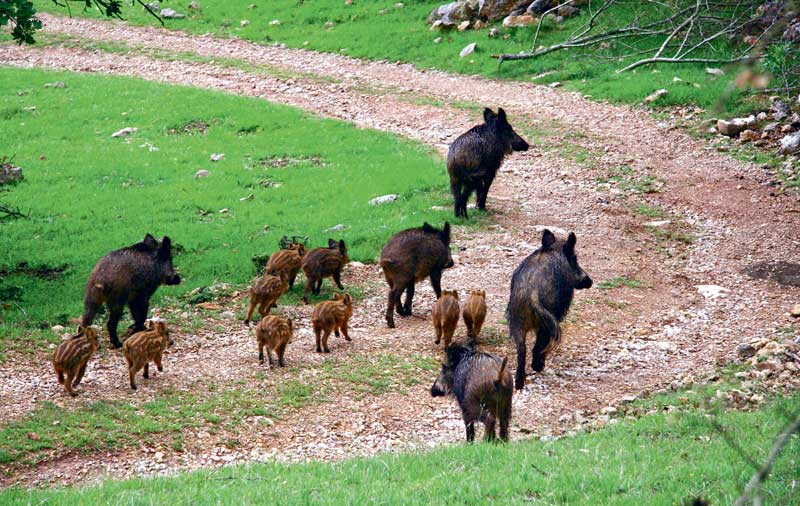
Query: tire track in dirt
(618, 342)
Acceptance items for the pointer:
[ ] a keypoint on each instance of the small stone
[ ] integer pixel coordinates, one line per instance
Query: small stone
(201, 174)
(790, 144)
(215, 157)
(745, 351)
(762, 116)
(711, 291)
(518, 21)
(715, 72)
(57, 84)
(249, 197)
(659, 223)
(124, 132)
(780, 110)
(274, 22)
(795, 312)
(399, 5)
(494, 32)
(383, 199)
(748, 136)
(228, 315)
(244, 23)
(732, 127)
(655, 96)
(555, 84)
(224, 210)
(34, 436)
(57, 328)
(335, 228)
(771, 127)
(463, 26)
(329, 24)
(194, 6)
(567, 11)
(437, 40)
(171, 14)
(159, 456)
(468, 50)
(10, 173)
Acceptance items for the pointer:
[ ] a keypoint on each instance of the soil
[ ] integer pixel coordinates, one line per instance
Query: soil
(619, 341)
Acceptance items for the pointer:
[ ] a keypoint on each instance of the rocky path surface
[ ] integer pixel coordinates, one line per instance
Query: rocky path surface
(619, 342)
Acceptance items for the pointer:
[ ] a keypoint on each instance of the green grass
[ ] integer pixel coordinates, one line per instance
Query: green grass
(617, 282)
(661, 459)
(88, 193)
(358, 28)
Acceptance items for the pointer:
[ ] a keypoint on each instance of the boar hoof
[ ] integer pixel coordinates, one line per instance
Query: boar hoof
(390, 323)
(319, 350)
(327, 350)
(73, 394)
(116, 344)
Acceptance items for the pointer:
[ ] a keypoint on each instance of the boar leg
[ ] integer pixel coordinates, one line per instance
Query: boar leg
(263, 309)
(60, 376)
(437, 330)
(291, 280)
(489, 428)
(253, 304)
(309, 285)
(518, 336)
(68, 383)
(460, 195)
(325, 337)
(261, 352)
(318, 289)
(79, 376)
(504, 414)
(390, 309)
(470, 426)
(337, 278)
(436, 283)
(269, 356)
(139, 307)
(115, 313)
(158, 363)
(409, 299)
(346, 332)
(146, 370)
(317, 332)
(281, 351)
(132, 374)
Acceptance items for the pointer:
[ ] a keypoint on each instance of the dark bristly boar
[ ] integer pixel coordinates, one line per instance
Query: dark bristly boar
(265, 293)
(145, 347)
(129, 276)
(411, 256)
(541, 292)
(445, 316)
(475, 156)
(482, 385)
(321, 263)
(71, 357)
(288, 260)
(331, 316)
(475, 313)
(274, 333)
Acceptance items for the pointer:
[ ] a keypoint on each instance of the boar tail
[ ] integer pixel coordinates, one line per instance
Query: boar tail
(548, 333)
(499, 380)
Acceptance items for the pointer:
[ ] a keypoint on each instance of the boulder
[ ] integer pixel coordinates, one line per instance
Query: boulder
(790, 144)
(655, 96)
(540, 6)
(453, 13)
(780, 110)
(518, 21)
(732, 127)
(494, 10)
(567, 11)
(171, 14)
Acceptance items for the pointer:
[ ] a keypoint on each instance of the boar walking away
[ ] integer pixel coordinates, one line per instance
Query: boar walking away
(331, 316)
(541, 292)
(321, 263)
(145, 347)
(475, 156)
(445, 316)
(71, 357)
(288, 260)
(475, 313)
(411, 256)
(265, 293)
(129, 276)
(274, 333)
(482, 385)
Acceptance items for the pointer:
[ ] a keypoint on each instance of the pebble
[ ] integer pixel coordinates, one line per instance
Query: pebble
(795, 312)
(201, 174)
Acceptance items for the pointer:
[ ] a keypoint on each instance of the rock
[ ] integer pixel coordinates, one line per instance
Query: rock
(194, 6)
(745, 351)
(383, 199)
(478, 25)
(771, 127)
(244, 23)
(494, 32)
(795, 312)
(567, 11)
(159, 456)
(201, 174)
(468, 50)
(659, 223)
(124, 132)
(211, 306)
(437, 40)
(57, 328)
(57, 84)
(715, 72)
(215, 157)
(655, 96)
(711, 291)
(762, 116)
(355, 265)
(494, 10)
(463, 26)
(275, 22)
(749, 135)
(794, 119)
(453, 13)
(539, 6)
(171, 14)
(732, 127)
(518, 21)
(399, 5)
(780, 110)
(10, 173)
(329, 24)
(228, 315)
(792, 32)
(790, 144)
(335, 228)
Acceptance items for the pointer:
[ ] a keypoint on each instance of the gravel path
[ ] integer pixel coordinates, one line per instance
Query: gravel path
(619, 342)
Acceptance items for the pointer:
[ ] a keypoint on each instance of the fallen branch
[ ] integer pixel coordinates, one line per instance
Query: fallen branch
(8, 212)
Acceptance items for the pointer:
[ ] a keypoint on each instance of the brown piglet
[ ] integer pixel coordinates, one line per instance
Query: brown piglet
(445, 316)
(321, 263)
(331, 316)
(71, 356)
(274, 333)
(265, 293)
(145, 347)
(475, 313)
(288, 260)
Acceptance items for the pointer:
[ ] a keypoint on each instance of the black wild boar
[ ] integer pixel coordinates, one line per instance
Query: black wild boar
(129, 276)
(409, 257)
(541, 293)
(475, 156)
(482, 385)
(320, 263)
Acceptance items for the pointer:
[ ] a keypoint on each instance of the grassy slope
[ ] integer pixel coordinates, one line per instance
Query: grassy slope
(660, 459)
(88, 193)
(359, 29)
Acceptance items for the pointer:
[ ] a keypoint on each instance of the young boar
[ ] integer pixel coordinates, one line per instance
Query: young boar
(274, 333)
(288, 260)
(265, 293)
(321, 263)
(409, 257)
(482, 385)
(145, 347)
(541, 292)
(475, 313)
(71, 357)
(475, 156)
(129, 276)
(331, 316)
(445, 316)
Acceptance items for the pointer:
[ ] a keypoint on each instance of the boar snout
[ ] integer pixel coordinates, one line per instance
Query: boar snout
(584, 282)
(519, 144)
(174, 279)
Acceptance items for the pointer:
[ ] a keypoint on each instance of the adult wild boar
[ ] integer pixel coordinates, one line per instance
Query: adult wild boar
(129, 276)
(541, 292)
(411, 256)
(475, 156)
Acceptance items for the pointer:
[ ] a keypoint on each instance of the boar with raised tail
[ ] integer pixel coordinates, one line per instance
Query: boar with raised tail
(129, 276)
(541, 292)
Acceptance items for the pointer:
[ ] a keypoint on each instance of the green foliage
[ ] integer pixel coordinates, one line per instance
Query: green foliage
(21, 15)
(617, 282)
(783, 62)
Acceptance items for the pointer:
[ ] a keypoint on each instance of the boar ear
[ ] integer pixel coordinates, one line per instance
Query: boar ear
(548, 239)
(488, 115)
(427, 228)
(455, 293)
(90, 332)
(331, 243)
(342, 247)
(569, 246)
(348, 299)
(150, 241)
(501, 115)
(165, 251)
(161, 327)
(446, 232)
